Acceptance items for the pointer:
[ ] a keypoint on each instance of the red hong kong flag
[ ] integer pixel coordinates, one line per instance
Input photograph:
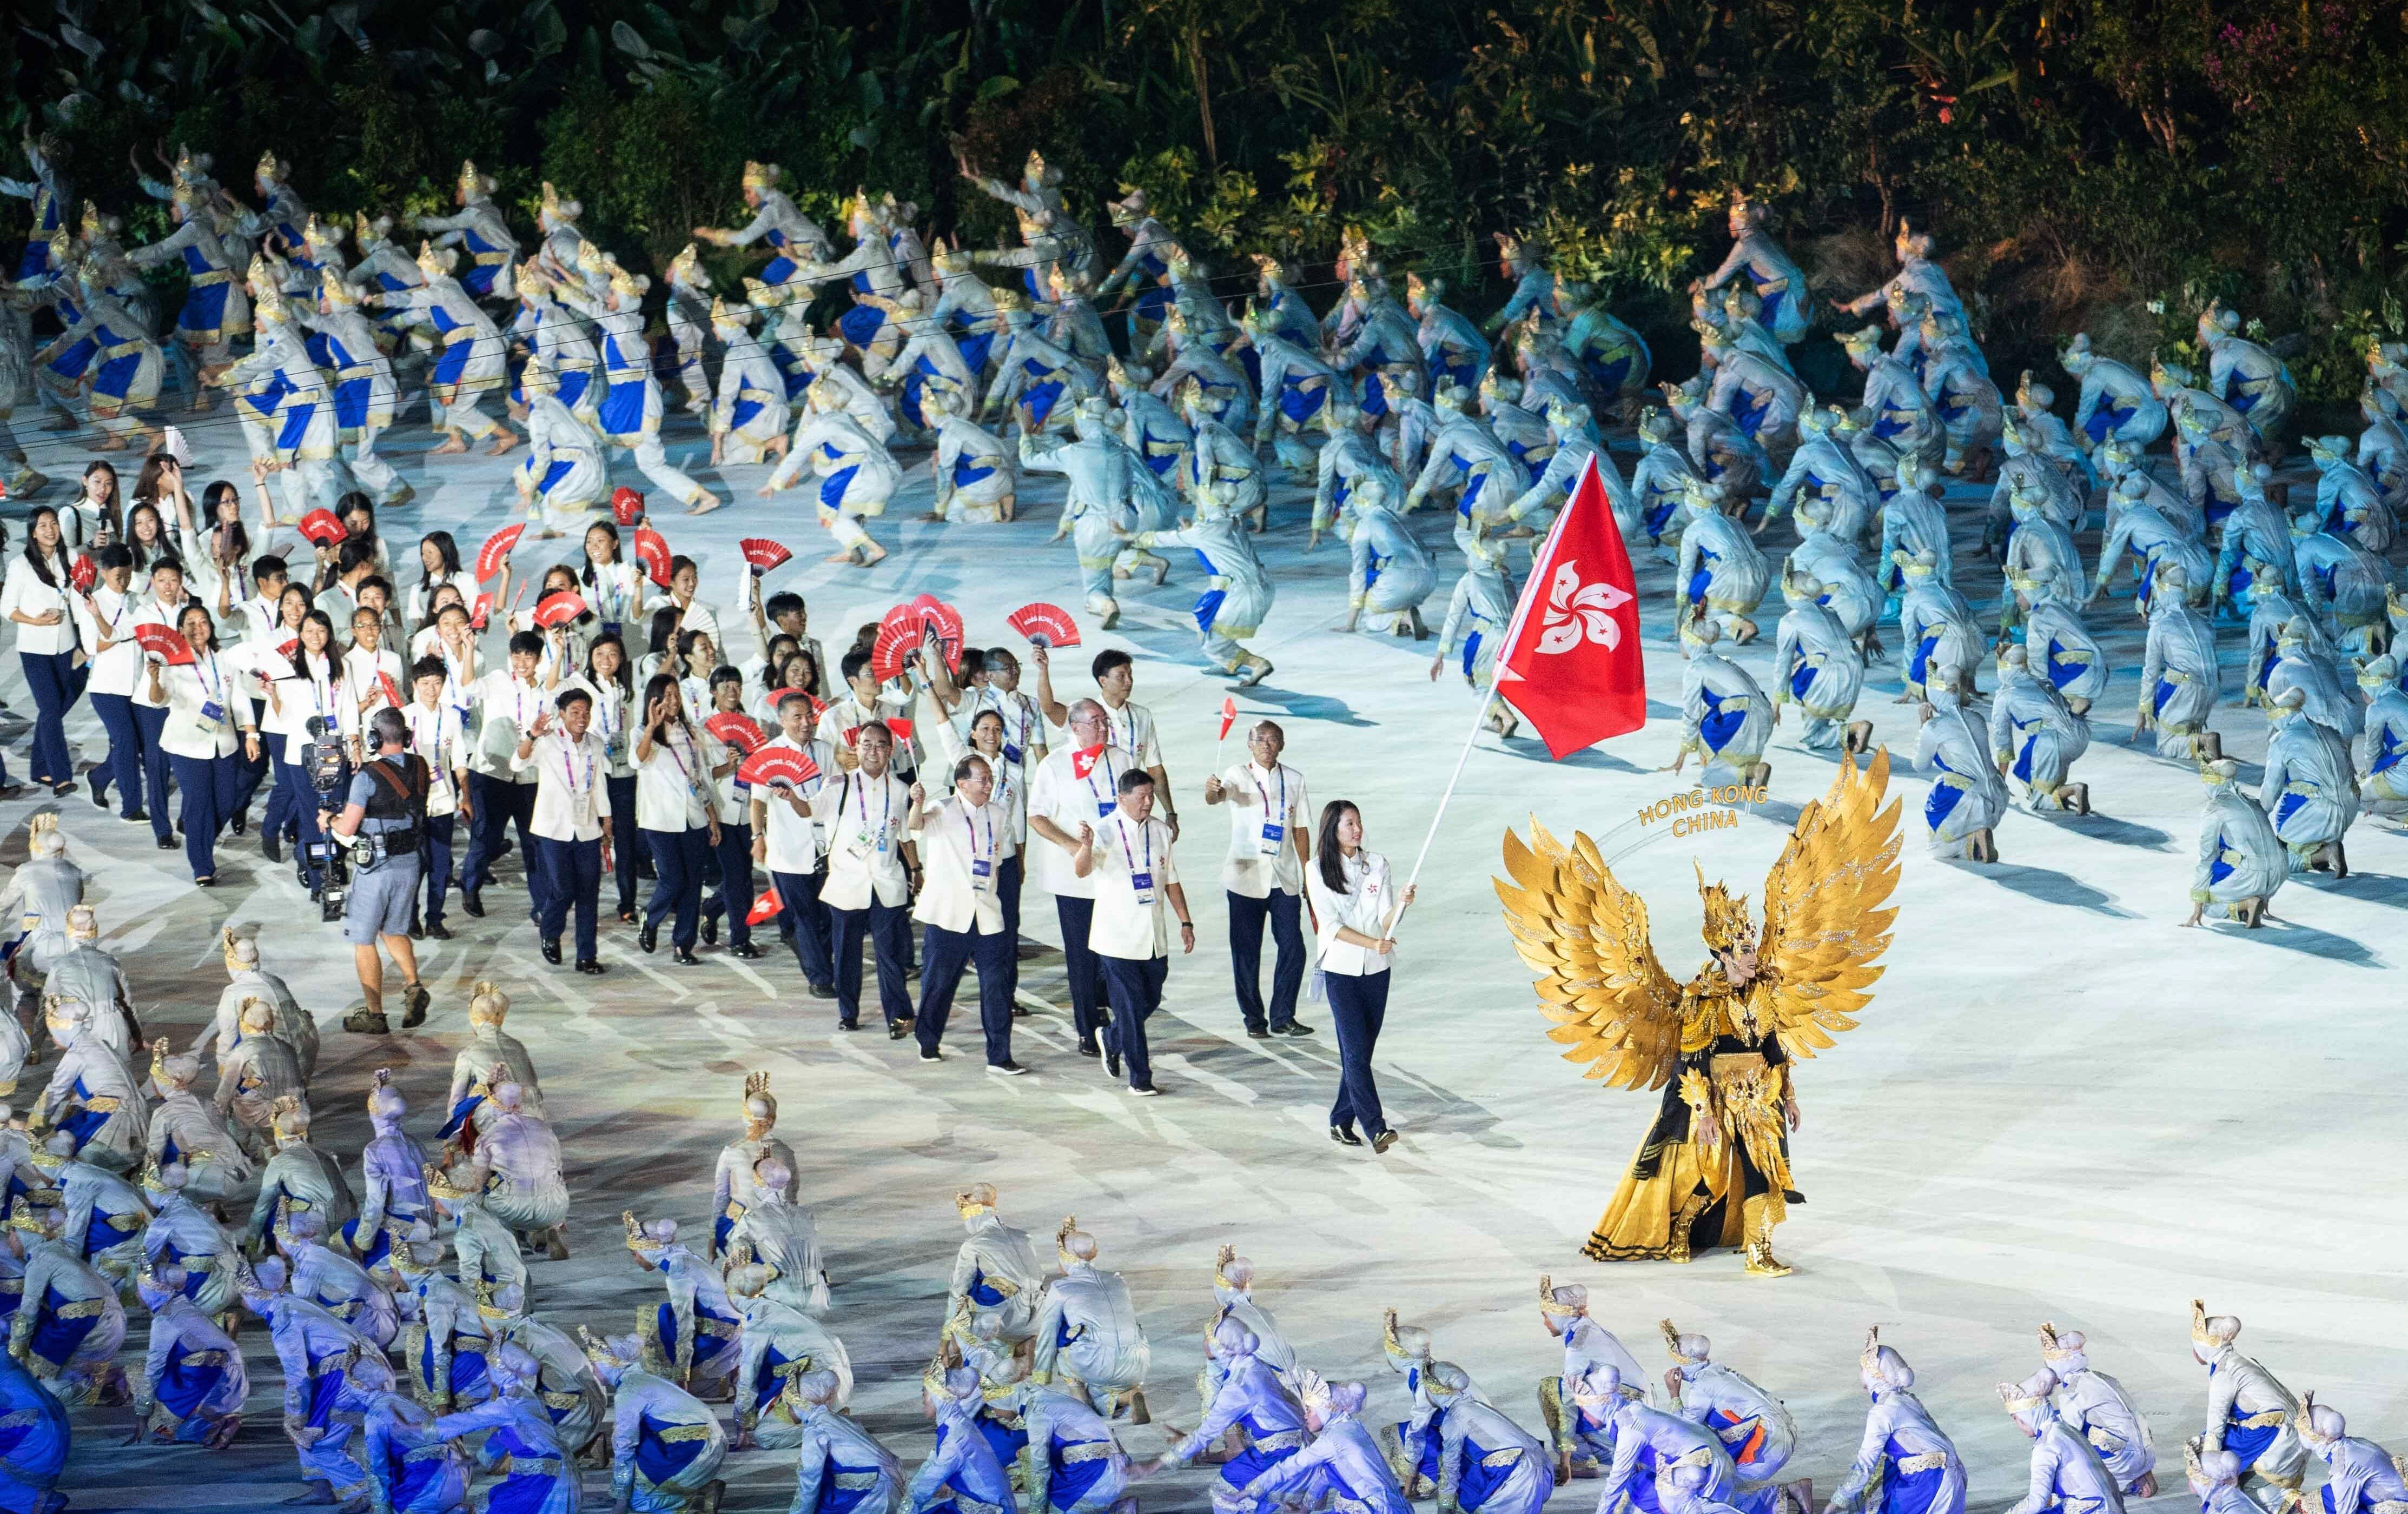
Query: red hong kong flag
(764, 909)
(1570, 660)
(1083, 760)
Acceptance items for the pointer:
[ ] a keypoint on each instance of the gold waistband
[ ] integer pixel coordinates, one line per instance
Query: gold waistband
(1279, 1440)
(735, 1210)
(975, 1506)
(856, 1481)
(561, 1401)
(530, 1466)
(678, 1433)
(101, 1103)
(214, 276)
(1929, 1462)
(202, 1359)
(82, 1308)
(2265, 1420)
(1086, 1451)
(1507, 1457)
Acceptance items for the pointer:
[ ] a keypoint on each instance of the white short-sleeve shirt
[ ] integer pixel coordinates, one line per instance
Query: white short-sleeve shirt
(1132, 873)
(1268, 815)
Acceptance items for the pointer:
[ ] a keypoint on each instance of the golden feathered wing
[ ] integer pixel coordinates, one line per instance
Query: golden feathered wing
(1825, 915)
(1612, 1001)
(1825, 923)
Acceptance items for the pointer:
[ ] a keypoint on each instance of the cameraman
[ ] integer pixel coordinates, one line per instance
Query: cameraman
(386, 809)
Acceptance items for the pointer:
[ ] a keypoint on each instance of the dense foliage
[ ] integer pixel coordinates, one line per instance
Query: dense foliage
(2101, 162)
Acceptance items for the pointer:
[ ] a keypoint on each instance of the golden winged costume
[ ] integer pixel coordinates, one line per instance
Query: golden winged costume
(1714, 1169)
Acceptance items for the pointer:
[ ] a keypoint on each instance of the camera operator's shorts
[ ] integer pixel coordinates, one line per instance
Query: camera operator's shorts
(380, 900)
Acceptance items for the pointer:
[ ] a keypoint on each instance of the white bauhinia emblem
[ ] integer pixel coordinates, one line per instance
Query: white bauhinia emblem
(1576, 610)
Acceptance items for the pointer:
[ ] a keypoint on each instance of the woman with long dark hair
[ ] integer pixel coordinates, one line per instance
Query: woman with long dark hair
(34, 599)
(207, 727)
(1354, 904)
(312, 688)
(612, 680)
(109, 613)
(614, 588)
(676, 814)
(96, 515)
(280, 824)
(439, 564)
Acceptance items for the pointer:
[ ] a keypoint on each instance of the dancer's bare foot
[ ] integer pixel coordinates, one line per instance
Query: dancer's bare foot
(873, 554)
(704, 506)
(453, 444)
(504, 439)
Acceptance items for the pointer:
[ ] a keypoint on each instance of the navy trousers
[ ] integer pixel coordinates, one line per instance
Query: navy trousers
(1135, 985)
(806, 925)
(948, 952)
(1285, 912)
(889, 929)
(572, 871)
(1358, 1005)
(678, 859)
(1085, 969)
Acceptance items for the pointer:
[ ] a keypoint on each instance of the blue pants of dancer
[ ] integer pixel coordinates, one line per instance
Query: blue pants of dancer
(889, 929)
(434, 862)
(1285, 912)
(941, 974)
(500, 805)
(152, 723)
(626, 861)
(57, 684)
(572, 874)
(209, 786)
(806, 925)
(1085, 968)
(678, 859)
(1358, 1006)
(1135, 985)
(124, 764)
(734, 899)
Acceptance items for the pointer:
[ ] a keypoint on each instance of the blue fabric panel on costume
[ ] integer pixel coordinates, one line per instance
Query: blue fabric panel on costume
(660, 1460)
(450, 363)
(182, 1386)
(1942, 803)
(553, 475)
(1722, 721)
(861, 325)
(297, 426)
(832, 488)
(1908, 1494)
(1041, 398)
(1208, 605)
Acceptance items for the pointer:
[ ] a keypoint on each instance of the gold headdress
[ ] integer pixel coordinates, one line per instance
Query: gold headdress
(1672, 1340)
(95, 225)
(486, 1308)
(1220, 1263)
(1727, 925)
(337, 292)
(188, 166)
(975, 1200)
(639, 1241)
(684, 264)
(2049, 1350)
(1869, 1360)
(487, 1004)
(2016, 1400)
(24, 1216)
(434, 261)
(1009, 300)
(2198, 1331)
(555, 208)
(264, 276)
(627, 286)
(762, 175)
(265, 1018)
(269, 168)
(725, 314)
(1507, 245)
(1904, 242)
(1034, 170)
(1549, 1303)
(756, 1085)
(364, 231)
(440, 1186)
(471, 183)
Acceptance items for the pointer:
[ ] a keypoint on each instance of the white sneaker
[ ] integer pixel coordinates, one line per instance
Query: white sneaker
(1006, 1069)
(926, 1055)
(1147, 1091)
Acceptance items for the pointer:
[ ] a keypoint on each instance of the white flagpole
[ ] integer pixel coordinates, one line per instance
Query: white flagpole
(1541, 567)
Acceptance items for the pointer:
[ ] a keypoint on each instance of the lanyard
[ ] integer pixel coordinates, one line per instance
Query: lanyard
(569, 764)
(969, 823)
(1265, 794)
(1111, 780)
(418, 735)
(212, 686)
(518, 704)
(669, 742)
(321, 695)
(1121, 828)
(609, 711)
(861, 797)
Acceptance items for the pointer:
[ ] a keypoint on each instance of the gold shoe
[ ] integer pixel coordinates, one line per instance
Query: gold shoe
(1762, 1263)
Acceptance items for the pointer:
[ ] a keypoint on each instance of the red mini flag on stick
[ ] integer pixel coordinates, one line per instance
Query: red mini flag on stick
(1571, 660)
(764, 909)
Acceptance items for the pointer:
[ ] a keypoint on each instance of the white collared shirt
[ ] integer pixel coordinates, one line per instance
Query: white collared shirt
(361, 683)
(1069, 802)
(734, 802)
(1132, 726)
(436, 735)
(617, 589)
(206, 682)
(1258, 863)
(792, 841)
(1130, 922)
(673, 787)
(570, 797)
(863, 820)
(1370, 900)
(149, 611)
(508, 707)
(110, 618)
(24, 591)
(961, 852)
(316, 688)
